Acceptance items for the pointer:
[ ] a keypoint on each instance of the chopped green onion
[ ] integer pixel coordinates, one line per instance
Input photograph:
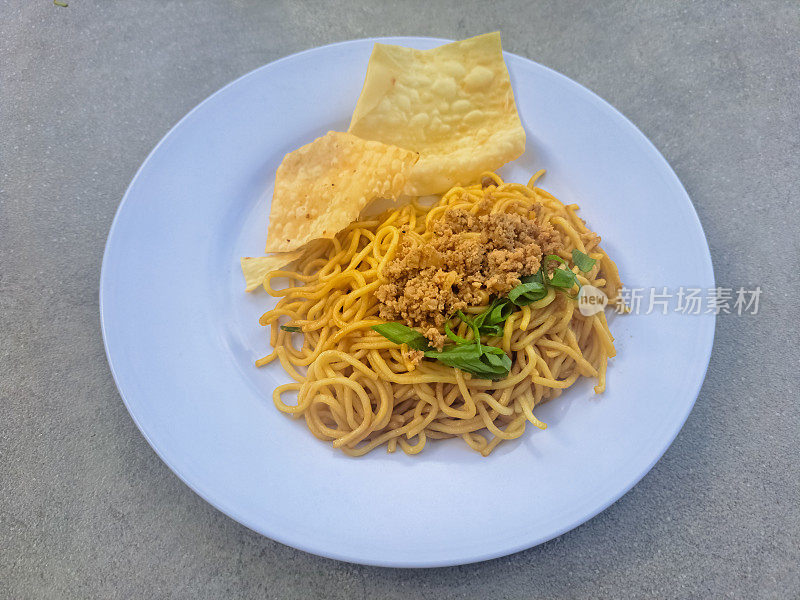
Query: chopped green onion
(486, 362)
(561, 278)
(456, 338)
(583, 261)
(526, 293)
(401, 334)
(476, 334)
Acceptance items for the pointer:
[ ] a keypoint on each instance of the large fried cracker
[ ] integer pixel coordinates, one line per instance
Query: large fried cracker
(452, 104)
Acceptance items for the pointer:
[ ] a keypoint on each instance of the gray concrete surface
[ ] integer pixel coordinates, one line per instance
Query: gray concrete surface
(87, 510)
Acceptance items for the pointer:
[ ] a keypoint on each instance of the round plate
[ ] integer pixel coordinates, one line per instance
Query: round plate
(181, 334)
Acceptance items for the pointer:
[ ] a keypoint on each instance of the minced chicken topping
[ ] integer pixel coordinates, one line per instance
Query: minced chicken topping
(467, 256)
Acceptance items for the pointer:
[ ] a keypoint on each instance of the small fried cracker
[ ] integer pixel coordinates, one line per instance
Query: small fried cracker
(323, 186)
(256, 267)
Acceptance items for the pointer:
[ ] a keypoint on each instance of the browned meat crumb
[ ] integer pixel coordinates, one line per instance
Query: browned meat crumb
(467, 256)
(414, 356)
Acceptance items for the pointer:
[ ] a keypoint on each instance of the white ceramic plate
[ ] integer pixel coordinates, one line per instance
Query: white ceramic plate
(181, 335)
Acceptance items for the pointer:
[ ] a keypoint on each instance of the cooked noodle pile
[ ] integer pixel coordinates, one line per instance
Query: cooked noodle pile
(359, 390)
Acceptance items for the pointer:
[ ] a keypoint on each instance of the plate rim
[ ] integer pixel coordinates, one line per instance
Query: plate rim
(474, 557)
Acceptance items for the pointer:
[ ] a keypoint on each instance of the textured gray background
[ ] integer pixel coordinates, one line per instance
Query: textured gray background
(87, 510)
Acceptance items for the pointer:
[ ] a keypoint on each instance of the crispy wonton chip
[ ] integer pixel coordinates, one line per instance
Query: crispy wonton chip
(256, 267)
(452, 104)
(321, 187)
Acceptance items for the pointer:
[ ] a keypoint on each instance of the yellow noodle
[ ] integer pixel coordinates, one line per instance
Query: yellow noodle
(358, 390)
